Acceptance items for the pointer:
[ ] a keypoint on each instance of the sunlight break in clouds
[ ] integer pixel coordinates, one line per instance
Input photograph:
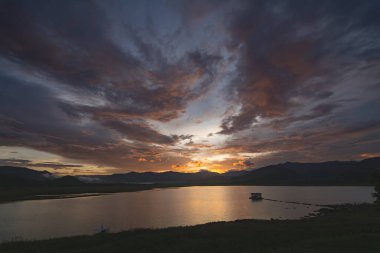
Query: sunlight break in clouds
(97, 87)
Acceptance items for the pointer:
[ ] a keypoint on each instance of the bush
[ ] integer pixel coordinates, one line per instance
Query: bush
(377, 187)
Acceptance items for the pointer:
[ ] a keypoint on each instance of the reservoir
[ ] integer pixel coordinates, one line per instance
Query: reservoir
(166, 207)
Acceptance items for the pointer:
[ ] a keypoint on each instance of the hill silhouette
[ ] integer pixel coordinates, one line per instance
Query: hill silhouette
(326, 173)
(289, 173)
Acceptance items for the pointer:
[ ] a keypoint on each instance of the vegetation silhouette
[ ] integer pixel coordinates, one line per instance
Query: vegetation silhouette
(377, 187)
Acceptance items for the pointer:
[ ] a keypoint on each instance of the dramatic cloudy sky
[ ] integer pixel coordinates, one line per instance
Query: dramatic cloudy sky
(115, 86)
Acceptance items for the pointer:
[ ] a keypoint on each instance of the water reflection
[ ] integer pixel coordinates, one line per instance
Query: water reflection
(164, 208)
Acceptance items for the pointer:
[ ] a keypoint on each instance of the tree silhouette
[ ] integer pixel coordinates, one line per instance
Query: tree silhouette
(377, 187)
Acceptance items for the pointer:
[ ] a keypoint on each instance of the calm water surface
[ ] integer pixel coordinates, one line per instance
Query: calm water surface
(41, 219)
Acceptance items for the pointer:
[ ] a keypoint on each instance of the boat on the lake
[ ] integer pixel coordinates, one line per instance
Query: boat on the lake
(256, 196)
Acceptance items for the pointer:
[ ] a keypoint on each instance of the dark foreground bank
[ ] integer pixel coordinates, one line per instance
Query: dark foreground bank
(344, 229)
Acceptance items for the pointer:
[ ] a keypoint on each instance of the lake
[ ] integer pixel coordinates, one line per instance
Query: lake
(166, 207)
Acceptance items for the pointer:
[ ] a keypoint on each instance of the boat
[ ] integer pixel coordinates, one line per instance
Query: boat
(256, 196)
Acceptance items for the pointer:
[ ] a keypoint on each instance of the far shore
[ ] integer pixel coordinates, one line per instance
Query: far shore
(19, 193)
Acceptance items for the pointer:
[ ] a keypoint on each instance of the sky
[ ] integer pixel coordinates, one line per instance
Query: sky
(101, 87)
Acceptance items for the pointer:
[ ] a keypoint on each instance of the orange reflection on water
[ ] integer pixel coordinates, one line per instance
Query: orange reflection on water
(165, 208)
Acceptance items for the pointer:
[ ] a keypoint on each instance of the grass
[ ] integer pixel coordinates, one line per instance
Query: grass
(343, 229)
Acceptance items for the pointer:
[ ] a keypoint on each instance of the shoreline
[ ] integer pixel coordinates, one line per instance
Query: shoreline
(13, 194)
(323, 210)
(335, 229)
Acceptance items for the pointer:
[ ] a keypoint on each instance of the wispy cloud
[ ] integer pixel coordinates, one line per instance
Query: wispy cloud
(95, 83)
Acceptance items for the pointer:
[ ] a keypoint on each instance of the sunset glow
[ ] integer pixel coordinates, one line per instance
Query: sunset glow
(102, 87)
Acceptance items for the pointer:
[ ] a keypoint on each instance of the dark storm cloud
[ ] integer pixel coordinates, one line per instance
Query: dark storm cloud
(30, 117)
(14, 162)
(69, 46)
(318, 111)
(139, 131)
(94, 81)
(29, 163)
(70, 42)
(288, 49)
(320, 143)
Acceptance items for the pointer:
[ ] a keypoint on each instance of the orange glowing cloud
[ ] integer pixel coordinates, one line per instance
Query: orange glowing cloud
(195, 166)
(238, 163)
(244, 162)
(370, 155)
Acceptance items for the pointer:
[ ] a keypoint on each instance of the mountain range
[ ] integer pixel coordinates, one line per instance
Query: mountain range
(289, 173)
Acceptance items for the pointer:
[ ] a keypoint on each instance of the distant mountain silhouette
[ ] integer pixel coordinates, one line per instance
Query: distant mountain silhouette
(162, 177)
(20, 176)
(10, 175)
(325, 173)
